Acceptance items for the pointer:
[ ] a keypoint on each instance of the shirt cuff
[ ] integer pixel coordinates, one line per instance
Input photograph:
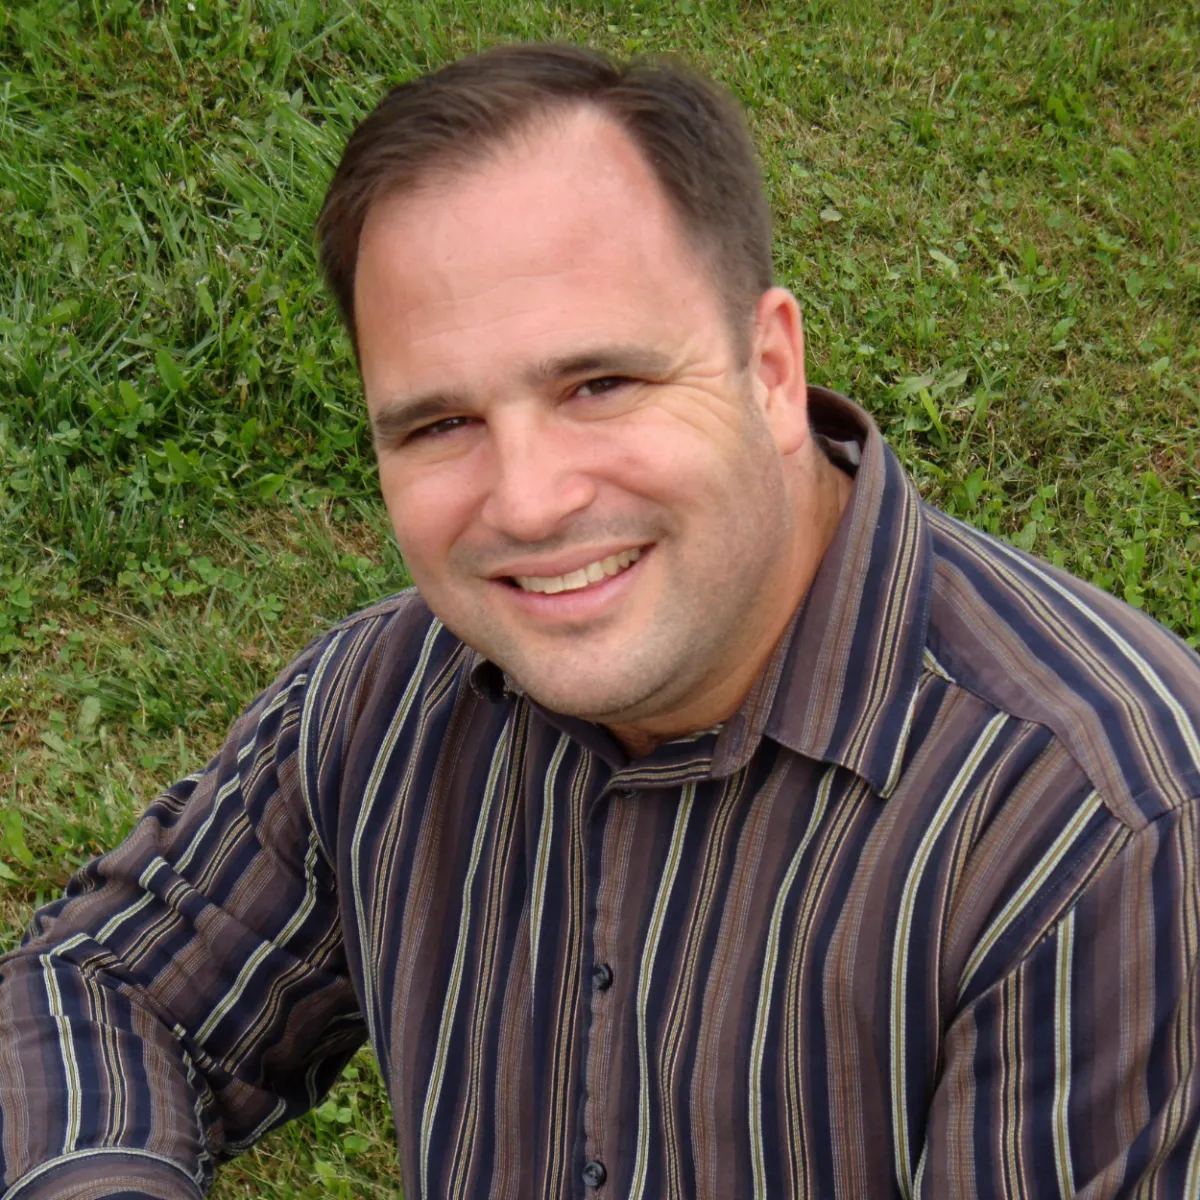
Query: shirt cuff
(114, 1174)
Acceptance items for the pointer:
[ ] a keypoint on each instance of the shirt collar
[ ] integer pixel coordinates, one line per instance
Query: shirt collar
(840, 685)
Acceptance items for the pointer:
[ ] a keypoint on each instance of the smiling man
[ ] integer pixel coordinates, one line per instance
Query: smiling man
(593, 481)
(712, 820)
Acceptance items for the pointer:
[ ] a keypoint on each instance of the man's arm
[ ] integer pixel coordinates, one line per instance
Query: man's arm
(1078, 1073)
(189, 992)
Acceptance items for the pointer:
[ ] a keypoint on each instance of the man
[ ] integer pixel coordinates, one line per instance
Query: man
(714, 820)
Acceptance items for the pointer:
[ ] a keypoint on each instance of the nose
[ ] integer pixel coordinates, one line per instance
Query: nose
(537, 479)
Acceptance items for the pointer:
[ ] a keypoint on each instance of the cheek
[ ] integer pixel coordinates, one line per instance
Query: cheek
(428, 510)
(680, 469)
(647, 455)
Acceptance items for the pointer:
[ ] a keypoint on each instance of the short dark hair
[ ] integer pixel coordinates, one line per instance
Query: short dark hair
(690, 132)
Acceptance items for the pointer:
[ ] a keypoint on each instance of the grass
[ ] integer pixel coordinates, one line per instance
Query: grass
(991, 213)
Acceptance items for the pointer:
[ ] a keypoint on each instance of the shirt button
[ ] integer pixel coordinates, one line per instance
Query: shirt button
(626, 794)
(595, 1173)
(602, 977)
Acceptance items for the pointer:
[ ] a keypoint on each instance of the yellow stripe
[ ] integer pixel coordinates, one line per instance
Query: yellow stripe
(364, 823)
(1191, 1185)
(65, 1044)
(1184, 1030)
(827, 858)
(541, 862)
(101, 1021)
(433, 1089)
(251, 965)
(560, 1106)
(199, 1087)
(645, 971)
(681, 1000)
(1010, 1105)
(932, 664)
(766, 986)
(481, 997)
(908, 901)
(887, 664)
(1049, 863)
(893, 775)
(1062, 1055)
(304, 769)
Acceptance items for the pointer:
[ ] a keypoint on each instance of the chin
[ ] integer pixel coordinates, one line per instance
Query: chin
(609, 702)
(561, 675)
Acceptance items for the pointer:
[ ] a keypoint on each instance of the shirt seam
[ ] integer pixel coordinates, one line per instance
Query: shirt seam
(1113, 808)
(1049, 931)
(45, 1168)
(1136, 818)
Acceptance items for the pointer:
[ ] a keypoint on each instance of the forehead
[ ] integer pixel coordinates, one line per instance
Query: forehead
(566, 215)
(559, 174)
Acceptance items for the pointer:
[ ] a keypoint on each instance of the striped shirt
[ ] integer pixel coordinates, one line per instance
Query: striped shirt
(921, 919)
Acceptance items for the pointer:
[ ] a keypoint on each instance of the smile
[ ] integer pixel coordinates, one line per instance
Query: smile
(574, 581)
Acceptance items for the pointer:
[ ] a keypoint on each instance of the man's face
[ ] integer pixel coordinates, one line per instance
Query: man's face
(574, 457)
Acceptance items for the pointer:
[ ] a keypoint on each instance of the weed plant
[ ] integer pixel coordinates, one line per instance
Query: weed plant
(990, 212)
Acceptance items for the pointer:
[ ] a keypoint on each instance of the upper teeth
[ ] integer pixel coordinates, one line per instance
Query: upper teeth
(573, 580)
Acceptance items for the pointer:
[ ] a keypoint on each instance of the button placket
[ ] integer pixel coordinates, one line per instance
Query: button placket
(620, 824)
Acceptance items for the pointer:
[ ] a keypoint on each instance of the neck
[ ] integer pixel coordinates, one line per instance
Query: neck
(829, 489)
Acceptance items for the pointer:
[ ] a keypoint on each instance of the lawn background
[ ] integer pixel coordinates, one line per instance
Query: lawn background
(990, 213)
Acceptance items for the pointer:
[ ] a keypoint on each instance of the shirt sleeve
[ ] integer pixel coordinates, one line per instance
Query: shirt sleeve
(189, 992)
(1076, 1074)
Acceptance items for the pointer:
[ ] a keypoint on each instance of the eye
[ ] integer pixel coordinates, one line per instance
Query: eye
(438, 428)
(605, 383)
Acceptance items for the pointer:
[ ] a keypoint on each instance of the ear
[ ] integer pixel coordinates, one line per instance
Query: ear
(777, 368)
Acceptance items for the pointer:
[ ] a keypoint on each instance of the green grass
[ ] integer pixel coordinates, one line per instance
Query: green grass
(991, 214)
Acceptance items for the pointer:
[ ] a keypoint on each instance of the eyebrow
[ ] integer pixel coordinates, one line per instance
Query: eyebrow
(601, 360)
(401, 416)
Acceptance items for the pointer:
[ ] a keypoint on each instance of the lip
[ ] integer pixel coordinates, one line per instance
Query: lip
(549, 568)
(579, 605)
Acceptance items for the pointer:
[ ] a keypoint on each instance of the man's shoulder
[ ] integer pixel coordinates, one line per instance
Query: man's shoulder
(398, 627)
(1121, 691)
(405, 607)
(395, 643)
